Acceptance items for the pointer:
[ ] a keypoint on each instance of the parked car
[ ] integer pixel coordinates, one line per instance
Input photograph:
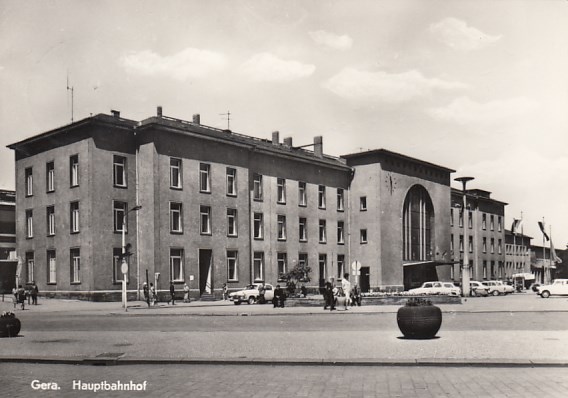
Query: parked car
(497, 287)
(436, 287)
(250, 294)
(558, 288)
(478, 289)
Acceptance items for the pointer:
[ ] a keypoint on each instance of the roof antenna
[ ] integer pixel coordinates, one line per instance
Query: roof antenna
(70, 89)
(228, 114)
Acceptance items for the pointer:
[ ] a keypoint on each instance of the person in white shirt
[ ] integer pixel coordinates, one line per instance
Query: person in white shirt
(346, 286)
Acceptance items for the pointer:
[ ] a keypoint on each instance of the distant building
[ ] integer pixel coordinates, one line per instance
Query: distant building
(545, 269)
(8, 259)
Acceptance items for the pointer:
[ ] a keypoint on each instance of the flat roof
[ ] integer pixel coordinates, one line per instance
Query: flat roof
(386, 152)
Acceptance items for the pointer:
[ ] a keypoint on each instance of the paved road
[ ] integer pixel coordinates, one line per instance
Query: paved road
(289, 381)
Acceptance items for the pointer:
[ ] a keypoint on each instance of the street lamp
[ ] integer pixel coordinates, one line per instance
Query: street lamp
(124, 266)
(465, 222)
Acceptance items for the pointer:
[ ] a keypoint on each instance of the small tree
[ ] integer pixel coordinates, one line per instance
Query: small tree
(300, 273)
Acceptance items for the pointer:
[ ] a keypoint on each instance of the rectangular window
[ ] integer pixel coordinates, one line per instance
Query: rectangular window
(303, 233)
(282, 261)
(29, 224)
(232, 222)
(303, 261)
(322, 231)
(340, 199)
(119, 211)
(74, 217)
(363, 235)
(30, 263)
(302, 196)
(75, 265)
(499, 223)
(363, 203)
(204, 177)
(484, 247)
(322, 262)
(29, 182)
(484, 221)
(470, 244)
(205, 227)
(452, 244)
(176, 217)
(74, 170)
(340, 265)
(50, 176)
(176, 265)
(499, 248)
(452, 217)
(460, 218)
(491, 223)
(469, 219)
(51, 267)
(231, 181)
(281, 190)
(492, 245)
(321, 197)
(258, 227)
(281, 227)
(175, 173)
(119, 171)
(50, 215)
(257, 187)
(340, 233)
(484, 269)
(461, 243)
(258, 266)
(232, 265)
(117, 261)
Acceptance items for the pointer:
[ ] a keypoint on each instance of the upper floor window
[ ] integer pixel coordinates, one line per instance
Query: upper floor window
(499, 246)
(258, 226)
(281, 187)
(258, 266)
(469, 219)
(470, 244)
(363, 203)
(484, 221)
(302, 196)
(363, 236)
(204, 177)
(322, 231)
(50, 215)
(232, 265)
(176, 217)
(175, 173)
(321, 197)
(340, 232)
(491, 223)
(461, 243)
(340, 199)
(50, 176)
(484, 245)
(205, 212)
(499, 223)
(232, 222)
(74, 217)
(492, 245)
(29, 224)
(281, 227)
(460, 218)
(303, 232)
(74, 170)
(231, 181)
(119, 171)
(29, 182)
(257, 187)
(119, 210)
(452, 217)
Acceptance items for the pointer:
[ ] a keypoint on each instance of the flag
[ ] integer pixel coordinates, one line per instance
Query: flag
(516, 227)
(553, 255)
(541, 225)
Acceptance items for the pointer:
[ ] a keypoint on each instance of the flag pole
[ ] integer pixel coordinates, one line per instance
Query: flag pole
(543, 254)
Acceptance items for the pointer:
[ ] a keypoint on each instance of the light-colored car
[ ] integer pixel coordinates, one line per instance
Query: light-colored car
(436, 287)
(250, 294)
(497, 287)
(478, 289)
(558, 288)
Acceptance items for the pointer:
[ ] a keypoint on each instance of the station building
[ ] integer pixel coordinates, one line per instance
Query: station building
(206, 206)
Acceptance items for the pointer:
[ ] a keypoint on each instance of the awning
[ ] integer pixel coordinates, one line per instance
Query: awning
(436, 263)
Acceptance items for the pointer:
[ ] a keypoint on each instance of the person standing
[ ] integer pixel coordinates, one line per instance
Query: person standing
(152, 294)
(146, 293)
(279, 297)
(185, 293)
(328, 296)
(346, 287)
(225, 292)
(172, 293)
(34, 293)
(22, 296)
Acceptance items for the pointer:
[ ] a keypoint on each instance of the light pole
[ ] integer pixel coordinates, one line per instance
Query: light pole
(465, 222)
(124, 265)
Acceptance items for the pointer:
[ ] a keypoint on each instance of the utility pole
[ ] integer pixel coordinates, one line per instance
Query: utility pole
(465, 265)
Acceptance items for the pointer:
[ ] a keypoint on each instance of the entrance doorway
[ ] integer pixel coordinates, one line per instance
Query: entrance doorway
(364, 280)
(205, 271)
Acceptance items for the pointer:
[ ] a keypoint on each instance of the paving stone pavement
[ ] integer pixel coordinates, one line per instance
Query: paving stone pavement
(289, 381)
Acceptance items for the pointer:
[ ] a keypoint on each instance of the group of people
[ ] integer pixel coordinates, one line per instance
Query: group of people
(21, 295)
(151, 297)
(345, 294)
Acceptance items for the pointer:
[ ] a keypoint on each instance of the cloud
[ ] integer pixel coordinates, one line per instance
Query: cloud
(457, 34)
(464, 111)
(188, 63)
(266, 67)
(331, 40)
(354, 84)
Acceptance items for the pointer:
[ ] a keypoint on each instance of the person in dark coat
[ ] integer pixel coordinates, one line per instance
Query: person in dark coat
(34, 293)
(279, 297)
(328, 296)
(304, 291)
(172, 293)
(146, 293)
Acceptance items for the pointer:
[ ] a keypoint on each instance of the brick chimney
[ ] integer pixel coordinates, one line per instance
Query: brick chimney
(288, 141)
(318, 146)
(275, 138)
(196, 118)
(159, 111)
(115, 114)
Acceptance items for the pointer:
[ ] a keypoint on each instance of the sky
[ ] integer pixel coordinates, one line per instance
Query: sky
(477, 86)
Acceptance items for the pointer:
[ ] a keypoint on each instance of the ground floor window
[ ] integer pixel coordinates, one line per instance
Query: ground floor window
(51, 267)
(117, 265)
(340, 265)
(75, 268)
(176, 265)
(258, 266)
(30, 263)
(232, 265)
(282, 260)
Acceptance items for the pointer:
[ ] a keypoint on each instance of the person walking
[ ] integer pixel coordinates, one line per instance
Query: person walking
(185, 293)
(34, 293)
(261, 290)
(172, 293)
(146, 291)
(15, 293)
(225, 292)
(346, 287)
(153, 297)
(22, 296)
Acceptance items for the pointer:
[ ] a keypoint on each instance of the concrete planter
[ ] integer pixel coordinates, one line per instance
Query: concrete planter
(9, 327)
(420, 321)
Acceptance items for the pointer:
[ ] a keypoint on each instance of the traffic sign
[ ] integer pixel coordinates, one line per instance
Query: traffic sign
(356, 266)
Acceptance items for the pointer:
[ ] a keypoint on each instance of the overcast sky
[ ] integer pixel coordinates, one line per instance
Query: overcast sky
(477, 86)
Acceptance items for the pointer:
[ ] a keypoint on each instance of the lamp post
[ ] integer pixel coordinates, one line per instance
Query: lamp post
(124, 265)
(465, 218)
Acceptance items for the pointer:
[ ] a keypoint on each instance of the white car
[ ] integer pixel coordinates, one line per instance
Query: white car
(250, 294)
(478, 289)
(558, 288)
(497, 287)
(436, 287)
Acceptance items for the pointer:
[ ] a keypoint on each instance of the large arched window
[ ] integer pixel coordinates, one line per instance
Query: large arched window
(417, 224)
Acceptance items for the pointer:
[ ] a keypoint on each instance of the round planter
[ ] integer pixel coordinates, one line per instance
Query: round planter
(419, 322)
(9, 327)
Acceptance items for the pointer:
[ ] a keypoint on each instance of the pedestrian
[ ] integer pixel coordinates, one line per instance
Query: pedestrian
(279, 297)
(15, 293)
(225, 292)
(153, 297)
(329, 299)
(261, 290)
(22, 296)
(146, 293)
(304, 291)
(346, 287)
(172, 293)
(35, 292)
(356, 296)
(185, 293)
(29, 294)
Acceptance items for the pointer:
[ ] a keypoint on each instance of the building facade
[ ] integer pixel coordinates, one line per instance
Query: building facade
(8, 261)
(204, 206)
